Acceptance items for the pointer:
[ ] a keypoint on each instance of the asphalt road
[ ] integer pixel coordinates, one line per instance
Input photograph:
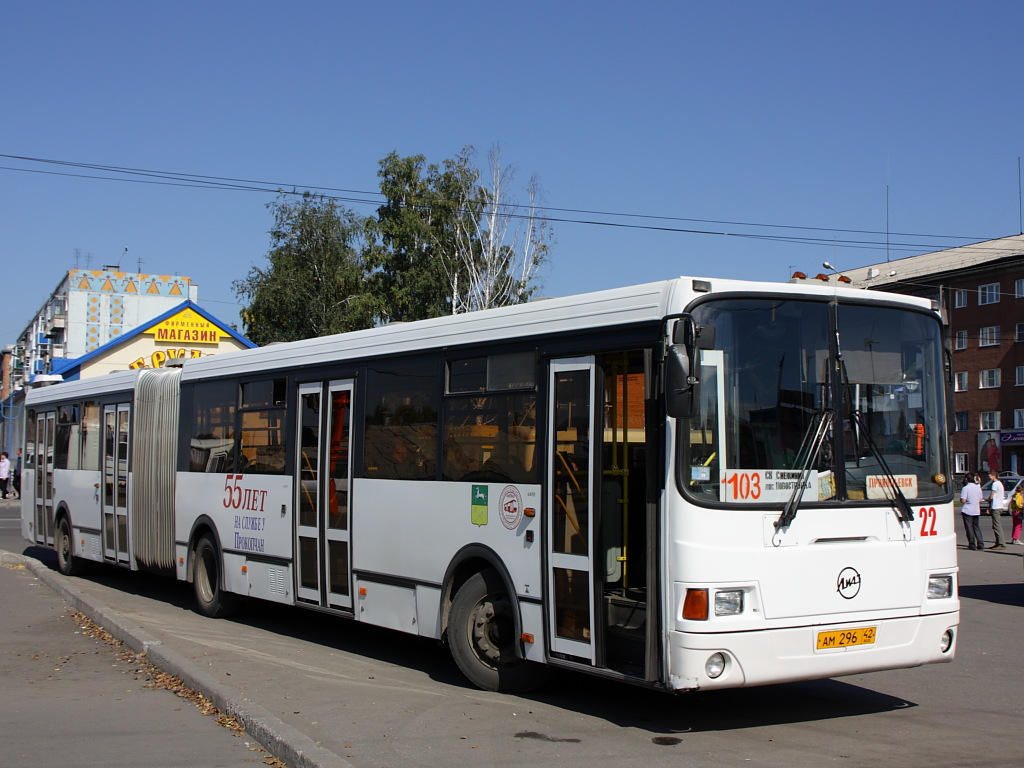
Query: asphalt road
(326, 692)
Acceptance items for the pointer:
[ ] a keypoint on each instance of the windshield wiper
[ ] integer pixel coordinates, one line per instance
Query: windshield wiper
(824, 423)
(902, 508)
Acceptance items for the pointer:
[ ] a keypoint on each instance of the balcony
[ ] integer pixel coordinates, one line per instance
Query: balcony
(55, 325)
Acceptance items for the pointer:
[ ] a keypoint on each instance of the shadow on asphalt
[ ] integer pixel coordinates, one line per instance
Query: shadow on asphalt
(655, 712)
(1003, 594)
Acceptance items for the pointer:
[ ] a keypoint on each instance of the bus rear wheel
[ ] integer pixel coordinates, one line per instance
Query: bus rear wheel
(481, 635)
(67, 563)
(211, 598)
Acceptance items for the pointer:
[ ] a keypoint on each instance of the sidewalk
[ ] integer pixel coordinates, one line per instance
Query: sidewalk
(70, 698)
(56, 674)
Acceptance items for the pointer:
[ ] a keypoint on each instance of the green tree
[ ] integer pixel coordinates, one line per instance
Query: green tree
(416, 270)
(315, 282)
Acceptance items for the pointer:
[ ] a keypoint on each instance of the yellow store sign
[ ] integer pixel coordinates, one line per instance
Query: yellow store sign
(188, 327)
(158, 358)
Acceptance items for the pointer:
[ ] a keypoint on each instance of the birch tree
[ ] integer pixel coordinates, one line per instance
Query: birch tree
(500, 250)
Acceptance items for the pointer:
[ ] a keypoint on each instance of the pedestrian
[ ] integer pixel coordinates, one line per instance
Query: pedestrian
(1017, 510)
(971, 511)
(996, 505)
(5, 474)
(16, 480)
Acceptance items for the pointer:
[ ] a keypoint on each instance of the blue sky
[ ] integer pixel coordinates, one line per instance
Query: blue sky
(787, 113)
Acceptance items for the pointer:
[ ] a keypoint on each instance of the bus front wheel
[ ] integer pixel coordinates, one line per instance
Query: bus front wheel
(481, 635)
(211, 598)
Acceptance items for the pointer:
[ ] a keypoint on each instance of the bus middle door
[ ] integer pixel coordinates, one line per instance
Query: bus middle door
(323, 478)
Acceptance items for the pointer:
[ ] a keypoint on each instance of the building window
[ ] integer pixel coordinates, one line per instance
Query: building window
(989, 420)
(1020, 331)
(1018, 418)
(1018, 288)
(960, 382)
(961, 421)
(990, 378)
(988, 294)
(989, 336)
(959, 299)
(1020, 376)
(961, 339)
(962, 460)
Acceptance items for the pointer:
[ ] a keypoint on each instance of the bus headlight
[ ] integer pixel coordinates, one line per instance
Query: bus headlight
(940, 586)
(729, 602)
(715, 665)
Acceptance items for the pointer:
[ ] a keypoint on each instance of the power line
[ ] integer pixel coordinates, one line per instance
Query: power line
(362, 197)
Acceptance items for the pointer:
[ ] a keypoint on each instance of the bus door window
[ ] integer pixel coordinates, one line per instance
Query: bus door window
(623, 571)
(308, 490)
(322, 484)
(338, 491)
(116, 419)
(571, 508)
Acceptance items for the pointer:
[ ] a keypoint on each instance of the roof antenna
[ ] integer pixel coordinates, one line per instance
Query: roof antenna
(117, 267)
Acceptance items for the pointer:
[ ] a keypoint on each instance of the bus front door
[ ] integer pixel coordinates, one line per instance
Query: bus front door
(570, 535)
(322, 484)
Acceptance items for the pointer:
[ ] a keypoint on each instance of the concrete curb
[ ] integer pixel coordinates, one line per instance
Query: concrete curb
(282, 740)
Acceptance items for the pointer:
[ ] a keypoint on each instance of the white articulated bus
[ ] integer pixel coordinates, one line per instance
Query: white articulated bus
(690, 484)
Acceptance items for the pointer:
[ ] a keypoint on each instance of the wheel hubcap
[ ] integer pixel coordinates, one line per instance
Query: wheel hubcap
(492, 630)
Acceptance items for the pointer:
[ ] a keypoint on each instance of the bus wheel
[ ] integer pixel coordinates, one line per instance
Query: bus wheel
(211, 599)
(481, 634)
(67, 563)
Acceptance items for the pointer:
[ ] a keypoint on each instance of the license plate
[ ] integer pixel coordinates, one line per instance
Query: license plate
(843, 638)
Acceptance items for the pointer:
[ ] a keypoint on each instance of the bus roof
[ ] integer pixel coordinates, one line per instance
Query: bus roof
(647, 303)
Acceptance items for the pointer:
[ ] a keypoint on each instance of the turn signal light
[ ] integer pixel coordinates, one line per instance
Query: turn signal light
(695, 605)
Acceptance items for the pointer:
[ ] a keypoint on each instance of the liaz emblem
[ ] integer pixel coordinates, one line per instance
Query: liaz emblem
(848, 583)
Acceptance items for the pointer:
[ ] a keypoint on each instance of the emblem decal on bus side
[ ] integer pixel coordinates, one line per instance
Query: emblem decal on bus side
(478, 513)
(848, 583)
(511, 507)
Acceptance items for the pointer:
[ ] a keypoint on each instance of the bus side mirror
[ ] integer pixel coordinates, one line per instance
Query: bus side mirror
(682, 386)
(682, 391)
(693, 335)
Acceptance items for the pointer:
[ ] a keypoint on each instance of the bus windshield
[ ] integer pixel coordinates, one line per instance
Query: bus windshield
(846, 398)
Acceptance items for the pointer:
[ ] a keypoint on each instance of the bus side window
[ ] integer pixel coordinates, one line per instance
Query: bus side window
(212, 445)
(401, 421)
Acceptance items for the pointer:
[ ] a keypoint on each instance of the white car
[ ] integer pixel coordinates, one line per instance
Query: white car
(1011, 484)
